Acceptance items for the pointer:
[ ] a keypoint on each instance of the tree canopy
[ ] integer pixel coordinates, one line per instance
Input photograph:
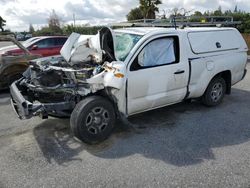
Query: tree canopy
(135, 14)
(147, 9)
(237, 15)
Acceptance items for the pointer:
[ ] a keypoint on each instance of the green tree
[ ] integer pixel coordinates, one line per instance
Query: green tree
(44, 31)
(149, 8)
(207, 13)
(135, 14)
(218, 12)
(82, 29)
(245, 19)
(2, 23)
(197, 16)
(228, 13)
(197, 13)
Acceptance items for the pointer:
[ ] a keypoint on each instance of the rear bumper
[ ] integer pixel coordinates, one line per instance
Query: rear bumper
(26, 109)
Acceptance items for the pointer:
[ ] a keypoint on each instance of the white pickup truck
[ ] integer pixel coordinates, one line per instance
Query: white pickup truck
(119, 73)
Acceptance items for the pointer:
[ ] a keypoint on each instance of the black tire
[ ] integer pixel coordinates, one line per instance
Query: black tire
(215, 92)
(13, 77)
(93, 119)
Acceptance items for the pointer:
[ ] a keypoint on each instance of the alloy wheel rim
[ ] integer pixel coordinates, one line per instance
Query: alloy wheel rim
(97, 120)
(217, 91)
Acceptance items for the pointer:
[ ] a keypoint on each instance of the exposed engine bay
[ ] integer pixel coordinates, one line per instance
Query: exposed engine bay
(87, 64)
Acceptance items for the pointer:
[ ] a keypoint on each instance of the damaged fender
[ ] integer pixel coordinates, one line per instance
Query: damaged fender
(113, 76)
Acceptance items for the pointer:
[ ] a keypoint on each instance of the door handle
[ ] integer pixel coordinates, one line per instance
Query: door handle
(180, 72)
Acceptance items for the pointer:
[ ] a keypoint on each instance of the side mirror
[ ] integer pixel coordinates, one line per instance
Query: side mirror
(34, 47)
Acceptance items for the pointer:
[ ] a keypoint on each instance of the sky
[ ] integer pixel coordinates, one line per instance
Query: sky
(19, 14)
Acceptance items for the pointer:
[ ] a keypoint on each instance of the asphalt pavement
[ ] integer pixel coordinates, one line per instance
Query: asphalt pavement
(5, 43)
(185, 145)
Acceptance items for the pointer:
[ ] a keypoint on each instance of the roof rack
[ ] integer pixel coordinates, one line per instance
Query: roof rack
(182, 21)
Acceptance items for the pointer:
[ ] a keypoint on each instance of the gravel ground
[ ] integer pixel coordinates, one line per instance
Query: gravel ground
(185, 145)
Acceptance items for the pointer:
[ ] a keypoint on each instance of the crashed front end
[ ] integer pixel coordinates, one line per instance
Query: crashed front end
(54, 85)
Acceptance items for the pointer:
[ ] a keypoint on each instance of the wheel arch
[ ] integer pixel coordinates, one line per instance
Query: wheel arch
(14, 69)
(8, 72)
(227, 76)
(106, 94)
(82, 110)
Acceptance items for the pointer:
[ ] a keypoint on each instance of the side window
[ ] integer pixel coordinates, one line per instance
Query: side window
(162, 51)
(45, 43)
(60, 41)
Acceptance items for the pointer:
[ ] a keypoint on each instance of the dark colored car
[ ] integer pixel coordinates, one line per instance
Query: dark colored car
(12, 66)
(44, 46)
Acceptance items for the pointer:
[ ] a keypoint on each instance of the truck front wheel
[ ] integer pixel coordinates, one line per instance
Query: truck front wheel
(215, 92)
(92, 121)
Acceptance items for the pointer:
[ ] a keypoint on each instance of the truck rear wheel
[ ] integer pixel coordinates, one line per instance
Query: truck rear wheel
(92, 121)
(215, 92)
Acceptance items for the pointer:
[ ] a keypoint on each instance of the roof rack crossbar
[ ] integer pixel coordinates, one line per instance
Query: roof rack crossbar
(177, 21)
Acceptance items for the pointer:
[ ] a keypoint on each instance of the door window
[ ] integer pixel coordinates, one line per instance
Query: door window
(162, 51)
(60, 41)
(45, 43)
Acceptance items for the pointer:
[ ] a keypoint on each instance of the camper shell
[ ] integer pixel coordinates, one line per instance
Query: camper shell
(119, 73)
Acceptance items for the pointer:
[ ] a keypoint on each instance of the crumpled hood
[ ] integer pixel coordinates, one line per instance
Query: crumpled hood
(85, 48)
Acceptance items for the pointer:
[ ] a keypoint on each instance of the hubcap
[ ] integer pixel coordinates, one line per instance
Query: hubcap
(217, 92)
(97, 120)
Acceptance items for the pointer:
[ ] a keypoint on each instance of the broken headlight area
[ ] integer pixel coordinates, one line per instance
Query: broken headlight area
(45, 91)
(55, 80)
(54, 85)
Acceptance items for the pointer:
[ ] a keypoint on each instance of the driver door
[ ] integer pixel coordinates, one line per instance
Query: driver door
(157, 76)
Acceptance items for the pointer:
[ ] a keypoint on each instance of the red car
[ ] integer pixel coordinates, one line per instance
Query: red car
(45, 46)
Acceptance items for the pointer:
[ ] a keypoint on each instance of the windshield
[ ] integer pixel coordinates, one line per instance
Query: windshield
(124, 42)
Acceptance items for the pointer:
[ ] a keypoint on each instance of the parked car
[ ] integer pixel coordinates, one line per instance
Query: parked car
(23, 37)
(129, 71)
(20, 37)
(44, 45)
(12, 67)
(28, 36)
(25, 43)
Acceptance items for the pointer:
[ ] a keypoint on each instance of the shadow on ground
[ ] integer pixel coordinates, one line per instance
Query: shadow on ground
(183, 134)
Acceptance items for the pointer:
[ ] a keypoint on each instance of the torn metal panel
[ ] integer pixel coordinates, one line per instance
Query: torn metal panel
(69, 46)
(82, 48)
(87, 65)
